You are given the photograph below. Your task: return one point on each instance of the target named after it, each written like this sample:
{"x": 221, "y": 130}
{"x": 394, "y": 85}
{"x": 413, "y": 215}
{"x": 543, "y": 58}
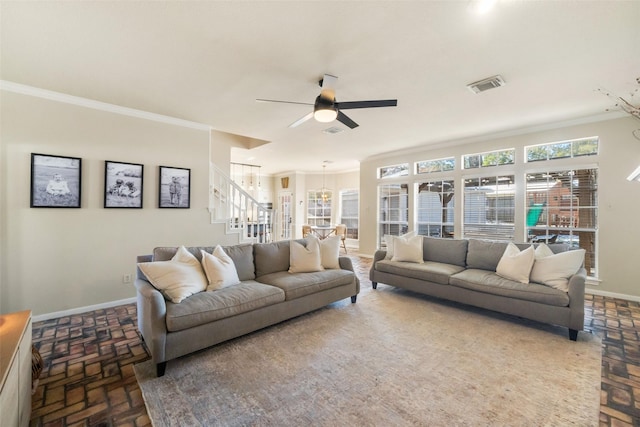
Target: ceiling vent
{"x": 486, "y": 84}
{"x": 333, "y": 130}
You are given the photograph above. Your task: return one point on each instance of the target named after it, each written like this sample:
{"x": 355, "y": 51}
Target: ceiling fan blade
{"x": 329, "y": 87}
{"x": 342, "y": 118}
{"x": 367, "y": 104}
{"x": 282, "y": 102}
{"x": 301, "y": 120}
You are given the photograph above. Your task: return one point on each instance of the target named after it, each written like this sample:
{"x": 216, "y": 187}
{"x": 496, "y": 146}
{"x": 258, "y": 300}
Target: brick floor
{"x": 89, "y": 380}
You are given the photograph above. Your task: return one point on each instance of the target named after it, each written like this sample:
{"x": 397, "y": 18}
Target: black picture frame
{"x": 123, "y": 185}
{"x": 56, "y": 181}
{"x": 174, "y": 190}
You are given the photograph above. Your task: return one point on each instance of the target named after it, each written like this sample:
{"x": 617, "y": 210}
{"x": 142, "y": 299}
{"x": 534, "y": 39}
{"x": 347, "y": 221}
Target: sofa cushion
{"x": 329, "y": 251}
{"x": 436, "y": 272}
{"x": 390, "y": 241}
{"x": 206, "y": 307}
{"x": 555, "y": 269}
{"x": 242, "y": 256}
{"x": 408, "y": 250}
{"x": 516, "y": 264}
{"x": 219, "y": 269}
{"x": 271, "y": 257}
{"x": 305, "y": 259}
{"x": 490, "y": 283}
{"x": 448, "y": 251}
{"x": 484, "y": 254}
{"x": 177, "y": 278}
{"x": 296, "y": 285}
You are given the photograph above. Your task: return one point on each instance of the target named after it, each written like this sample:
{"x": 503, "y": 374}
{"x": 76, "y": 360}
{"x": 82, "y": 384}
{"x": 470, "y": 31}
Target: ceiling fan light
{"x": 325, "y": 115}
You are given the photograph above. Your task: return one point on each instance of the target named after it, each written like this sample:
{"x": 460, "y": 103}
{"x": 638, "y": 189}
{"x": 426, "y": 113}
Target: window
{"x": 434, "y": 208}
{"x": 490, "y": 158}
{"x": 562, "y": 208}
{"x": 393, "y": 209}
{"x": 430, "y": 166}
{"x": 563, "y": 149}
{"x": 319, "y": 207}
{"x": 349, "y": 204}
{"x": 393, "y": 171}
{"x": 489, "y": 204}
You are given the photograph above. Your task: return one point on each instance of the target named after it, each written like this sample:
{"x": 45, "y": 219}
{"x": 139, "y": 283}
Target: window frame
{"x": 502, "y": 230}
{"x": 325, "y": 217}
{"x": 401, "y": 224}
{"x": 441, "y": 227}
{"x": 352, "y": 232}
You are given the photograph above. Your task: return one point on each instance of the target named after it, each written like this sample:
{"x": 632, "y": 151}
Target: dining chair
{"x": 306, "y": 230}
{"x": 341, "y": 230}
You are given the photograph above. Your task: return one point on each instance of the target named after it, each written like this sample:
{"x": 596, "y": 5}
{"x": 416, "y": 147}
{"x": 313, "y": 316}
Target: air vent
{"x": 486, "y": 84}
{"x": 333, "y": 130}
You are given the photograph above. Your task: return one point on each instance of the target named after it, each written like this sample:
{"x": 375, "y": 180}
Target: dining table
{"x": 323, "y": 231}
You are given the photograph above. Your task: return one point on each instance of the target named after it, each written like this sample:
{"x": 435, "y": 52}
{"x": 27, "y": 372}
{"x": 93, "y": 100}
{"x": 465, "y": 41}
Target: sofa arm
{"x": 152, "y": 312}
{"x": 378, "y": 256}
{"x": 345, "y": 263}
{"x": 576, "y": 299}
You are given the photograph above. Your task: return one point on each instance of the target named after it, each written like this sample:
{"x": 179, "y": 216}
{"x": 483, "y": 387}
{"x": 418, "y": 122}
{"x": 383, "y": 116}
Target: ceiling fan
{"x": 326, "y": 109}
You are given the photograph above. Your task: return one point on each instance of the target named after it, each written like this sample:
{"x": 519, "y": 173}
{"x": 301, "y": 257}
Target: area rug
{"x": 394, "y": 358}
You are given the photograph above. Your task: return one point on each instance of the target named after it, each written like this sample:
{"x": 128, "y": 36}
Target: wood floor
{"x": 89, "y": 380}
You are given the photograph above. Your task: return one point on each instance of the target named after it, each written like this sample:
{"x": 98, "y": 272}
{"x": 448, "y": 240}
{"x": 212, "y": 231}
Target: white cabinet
{"x": 15, "y": 369}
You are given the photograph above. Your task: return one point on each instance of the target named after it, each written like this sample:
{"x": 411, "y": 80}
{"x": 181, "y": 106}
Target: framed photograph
{"x": 56, "y": 181}
{"x": 123, "y": 185}
{"x": 175, "y": 187}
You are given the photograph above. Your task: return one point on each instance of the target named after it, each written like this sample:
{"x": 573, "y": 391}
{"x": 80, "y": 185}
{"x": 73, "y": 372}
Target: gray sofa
{"x": 266, "y": 295}
{"x": 465, "y": 271}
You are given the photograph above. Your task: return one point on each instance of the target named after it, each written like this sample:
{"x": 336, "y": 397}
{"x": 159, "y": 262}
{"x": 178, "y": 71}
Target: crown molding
{"x": 610, "y": 115}
{"x": 9, "y": 86}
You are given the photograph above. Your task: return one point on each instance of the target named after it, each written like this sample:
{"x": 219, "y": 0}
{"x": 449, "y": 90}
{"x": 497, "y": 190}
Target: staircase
{"x": 242, "y": 214}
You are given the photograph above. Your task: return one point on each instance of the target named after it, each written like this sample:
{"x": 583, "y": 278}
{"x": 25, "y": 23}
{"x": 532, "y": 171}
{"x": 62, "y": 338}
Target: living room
{"x": 59, "y": 262}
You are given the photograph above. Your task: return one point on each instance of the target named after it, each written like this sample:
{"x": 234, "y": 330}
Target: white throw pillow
{"x": 305, "y": 260}
{"x": 219, "y": 269}
{"x": 515, "y": 264}
{"x": 555, "y": 269}
{"x": 409, "y": 250}
{"x": 389, "y": 240}
{"x": 178, "y": 278}
{"x": 329, "y": 251}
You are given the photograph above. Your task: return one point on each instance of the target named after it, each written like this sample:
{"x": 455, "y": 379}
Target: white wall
{"x": 58, "y": 259}
{"x": 618, "y": 204}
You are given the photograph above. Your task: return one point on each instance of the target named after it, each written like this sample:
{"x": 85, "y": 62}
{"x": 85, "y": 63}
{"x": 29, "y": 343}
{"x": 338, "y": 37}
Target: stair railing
{"x": 231, "y": 204}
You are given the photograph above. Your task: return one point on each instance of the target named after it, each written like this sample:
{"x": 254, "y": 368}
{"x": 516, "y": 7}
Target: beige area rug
{"x": 394, "y": 358}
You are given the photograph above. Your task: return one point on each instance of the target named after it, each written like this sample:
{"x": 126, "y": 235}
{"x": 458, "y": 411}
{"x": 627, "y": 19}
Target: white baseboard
{"x": 72, "y": 311}
{"x": 612, "y": 294}
{"x": 78, "y": 310}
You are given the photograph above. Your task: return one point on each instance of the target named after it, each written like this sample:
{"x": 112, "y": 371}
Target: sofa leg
{"x": 160, "y": 368}
{"x": 353, "y": 299}
{"x": 573, "y": 334}
{"x": 374, "y": 285}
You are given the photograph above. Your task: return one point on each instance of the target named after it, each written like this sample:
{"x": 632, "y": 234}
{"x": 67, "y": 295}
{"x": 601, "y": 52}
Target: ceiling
{"x": 208, "y": 61}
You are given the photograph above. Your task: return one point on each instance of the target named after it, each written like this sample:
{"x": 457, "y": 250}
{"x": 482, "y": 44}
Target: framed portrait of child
{"x": 56, "y": 181}
{"x": 175, "y": 187}
{"x": 123, "y": 185}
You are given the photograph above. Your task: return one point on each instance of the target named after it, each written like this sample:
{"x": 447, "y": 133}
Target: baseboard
{"x": 612, "y": 294}
{"x": 70, "y": 312}
{"x": 78, "y": 310}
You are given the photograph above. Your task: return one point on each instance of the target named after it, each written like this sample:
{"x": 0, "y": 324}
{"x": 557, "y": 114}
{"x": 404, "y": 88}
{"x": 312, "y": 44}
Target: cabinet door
{"x": 9, "y": 397}
{"x": 24, "y": 355}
